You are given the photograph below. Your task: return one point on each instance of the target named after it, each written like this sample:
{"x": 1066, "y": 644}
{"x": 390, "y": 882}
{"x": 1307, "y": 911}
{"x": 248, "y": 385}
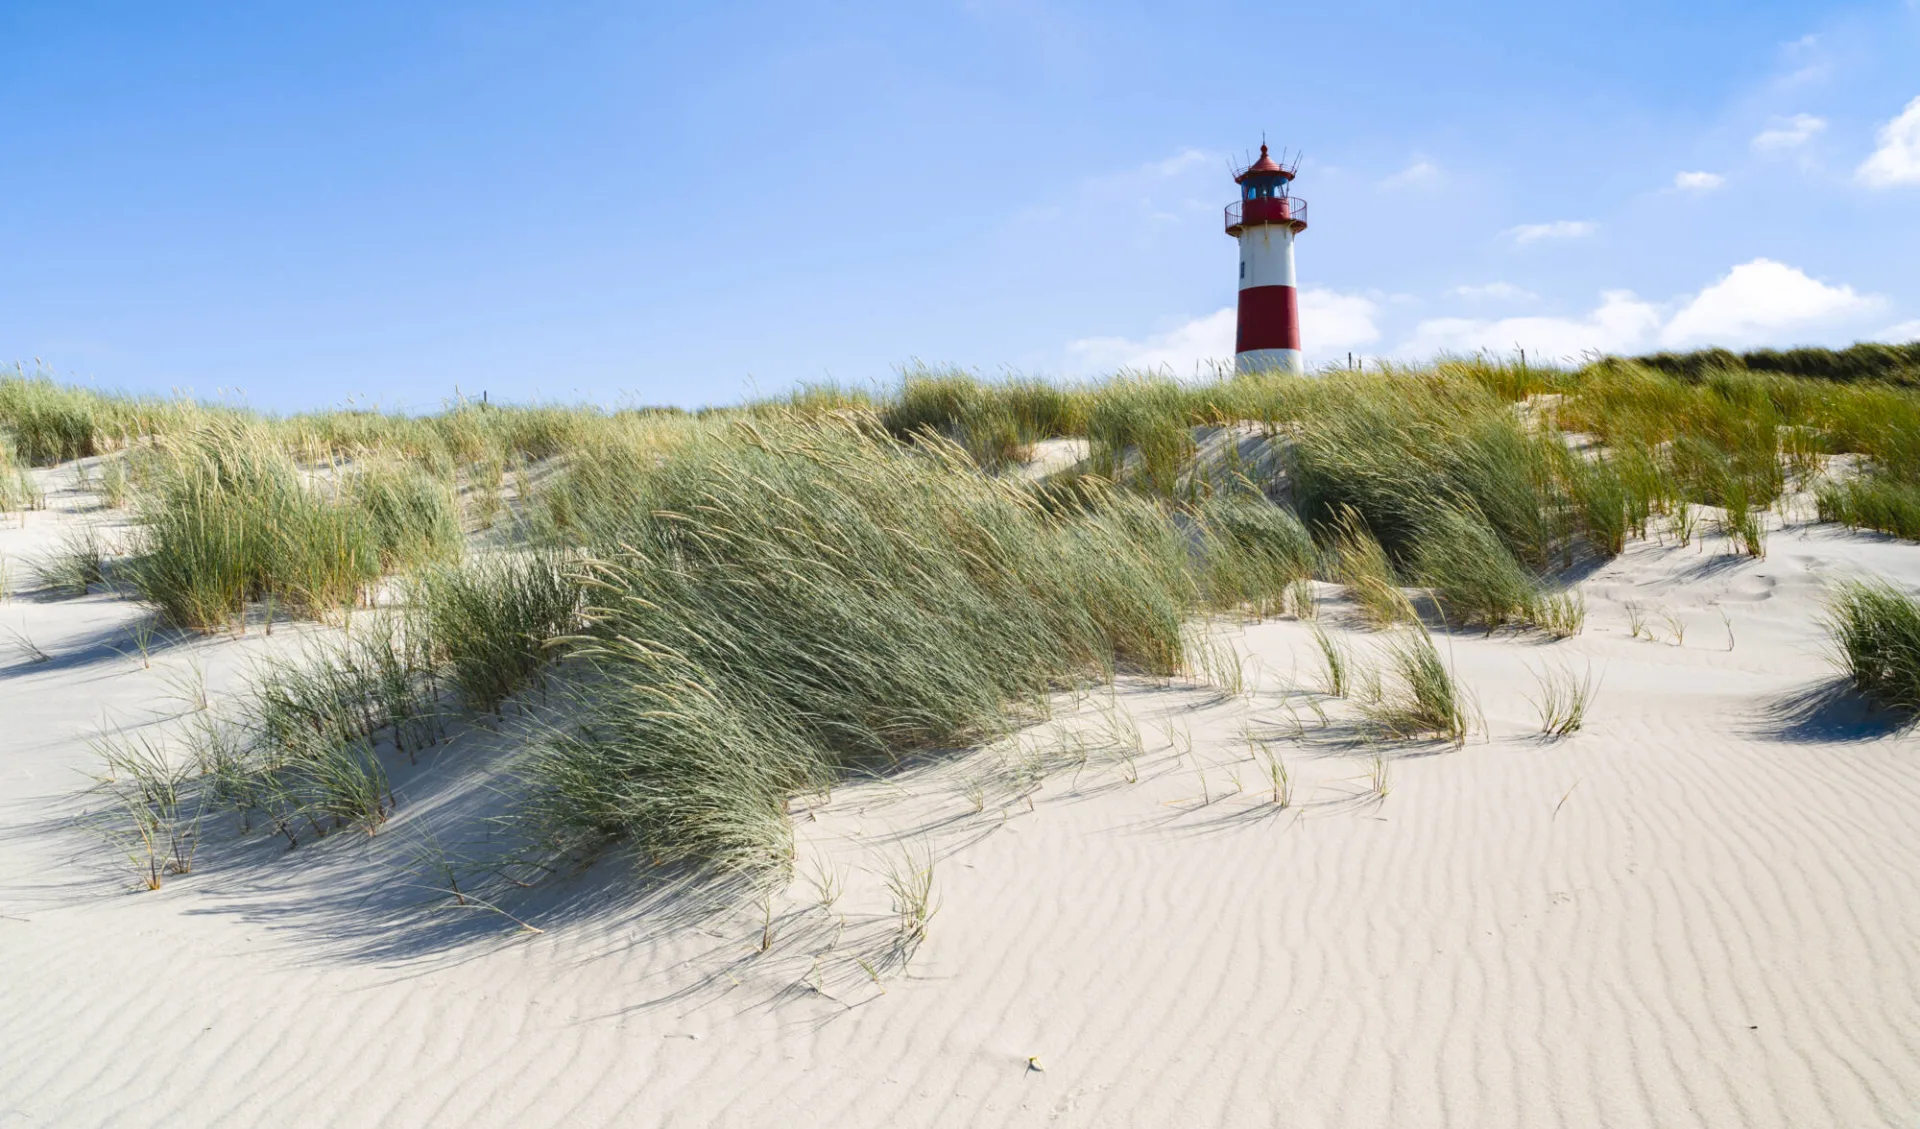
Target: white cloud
{"x": 1421, "y": 173}
{"x": 1558, "y": 229}
{"x": 1331, "y": 322}
{"x": 1790, "y": 133}
{"x": 1494, "y": 292}
{"x": 1190, "y": 349}
{"x": 1758, "y": 300}
{"x": 1897, "y": 160}
{"x": 1698, "y": 182}
{"x": 1621, "y": 324}
{"x": 1761, "y": 302}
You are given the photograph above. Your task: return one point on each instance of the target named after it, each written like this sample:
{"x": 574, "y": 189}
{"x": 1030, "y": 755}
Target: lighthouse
{"x": 1265, "y": 219}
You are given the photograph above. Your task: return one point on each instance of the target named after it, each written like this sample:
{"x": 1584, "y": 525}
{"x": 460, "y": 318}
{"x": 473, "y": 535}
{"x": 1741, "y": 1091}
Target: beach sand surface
{"x": 1700, "y": 910}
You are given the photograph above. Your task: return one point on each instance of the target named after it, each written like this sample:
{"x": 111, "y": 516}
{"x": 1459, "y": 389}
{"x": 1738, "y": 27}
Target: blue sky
{"x": 305, "y": 205}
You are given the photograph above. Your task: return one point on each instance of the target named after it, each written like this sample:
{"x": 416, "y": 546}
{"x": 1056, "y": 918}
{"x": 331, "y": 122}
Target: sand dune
{"x": 1697, "y": 911}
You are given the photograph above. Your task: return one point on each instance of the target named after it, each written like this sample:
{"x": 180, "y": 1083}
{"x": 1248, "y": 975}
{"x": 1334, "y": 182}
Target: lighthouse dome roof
{"x": 1265, "y": 166}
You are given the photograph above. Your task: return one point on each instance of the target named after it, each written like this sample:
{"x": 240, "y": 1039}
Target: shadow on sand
{"x": 1827, "y": 712}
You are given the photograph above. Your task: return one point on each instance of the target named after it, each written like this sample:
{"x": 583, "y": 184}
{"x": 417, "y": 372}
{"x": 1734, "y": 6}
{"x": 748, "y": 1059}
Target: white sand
{"x": 1699, "y": 911}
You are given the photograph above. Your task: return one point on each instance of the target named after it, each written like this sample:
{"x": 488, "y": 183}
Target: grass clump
{"x": 1140, "y": 432}
{"x": 1563, "y": 700}
{"x": 1887, "y": 506}
{"x": 1253, "y": 553}
{"x": 996, "y": 422}
{"x": 18, "y": 490}
{"x": 76, "y": 567}
{"x": 790, "y": 604}
{"x": 407, "y": 514}
{"x": 910, "y": 884}
{"x": 490, "y": 623}
{"x": 303, "y": 756}
{"x": 1479, "y": 583}
{"x": 1560, "y": 614}
{"x": 50, "y": 423}
{"x": 154, "y": 811}
{"x": 228, "y": 519}
{"x": 1423, "y": 700}
{"x": 1875, "y": 631}
{"x": 1391, "y": 449}
{"x": 1336, "y": 663}
{"x": 1360, "y": 563}
{"x": 1476, "y": 579}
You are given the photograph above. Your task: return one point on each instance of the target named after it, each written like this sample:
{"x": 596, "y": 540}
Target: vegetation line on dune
{"x": 719, "y": 612}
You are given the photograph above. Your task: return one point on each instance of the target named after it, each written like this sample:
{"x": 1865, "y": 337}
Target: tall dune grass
{"x": 1140, "y": 431}
{"x": 1873, "y": 503}
{"x": 790, "y": 603}
{"x": 1253, "y": 553}
{"x": 491, "y": 623}
{"x": 747, "y": 604}
{"x": 1458, "y": 555}
{"x": 1875, "y": 630}
{"x": 1397, "y": 450}
{"x": 995, "y": 421}
{"x": 1866, "y": 361}
{"x": 303, "y": 756}
{"x": 50, "y": 423}
{"x": 227, "y": 518}
{"x": 18, "y": 490}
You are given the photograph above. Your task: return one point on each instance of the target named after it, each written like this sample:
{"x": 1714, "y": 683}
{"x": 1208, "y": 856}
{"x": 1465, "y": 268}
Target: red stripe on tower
{"x": 1269, "y": 319}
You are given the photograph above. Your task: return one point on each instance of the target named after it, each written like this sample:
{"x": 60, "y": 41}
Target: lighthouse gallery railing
{"x": 1276, "y": 209}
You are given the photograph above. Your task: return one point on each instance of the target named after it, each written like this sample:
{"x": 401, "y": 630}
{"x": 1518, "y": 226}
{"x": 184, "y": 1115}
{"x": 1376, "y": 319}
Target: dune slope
{"x": 1699, "y": 910}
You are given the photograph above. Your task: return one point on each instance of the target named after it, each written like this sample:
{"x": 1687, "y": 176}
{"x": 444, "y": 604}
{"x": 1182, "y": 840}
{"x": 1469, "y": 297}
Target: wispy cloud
{"x": 1808, "y": 62}
{"x": 1698, "y": 183}
{"x": 1558, "y": 229}
{"x": 1900, "y": 334}
{"x": 1788, "y": 133}
{"x": 1897, "y": 159}
{"x": 1178, "y": 163}
{"x": 1421, "y": 173}
{"x": 1494, "y": 292}
{"x": 1167, "y": 190}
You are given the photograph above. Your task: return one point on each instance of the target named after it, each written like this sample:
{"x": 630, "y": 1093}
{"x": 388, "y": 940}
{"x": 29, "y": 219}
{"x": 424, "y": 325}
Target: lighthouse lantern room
{"x": 1265, "y": 219}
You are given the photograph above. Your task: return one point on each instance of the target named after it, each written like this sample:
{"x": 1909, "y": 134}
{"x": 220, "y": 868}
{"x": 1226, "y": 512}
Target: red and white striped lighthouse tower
{"x": 1265, "y": 219}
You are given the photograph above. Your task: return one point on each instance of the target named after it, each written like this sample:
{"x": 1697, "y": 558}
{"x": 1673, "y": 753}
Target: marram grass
{"x": 787, "y": 604}
{"x": 227, "y": 518}
{"x": 742, "y": 605}
{"x": 1875, "y": 631}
